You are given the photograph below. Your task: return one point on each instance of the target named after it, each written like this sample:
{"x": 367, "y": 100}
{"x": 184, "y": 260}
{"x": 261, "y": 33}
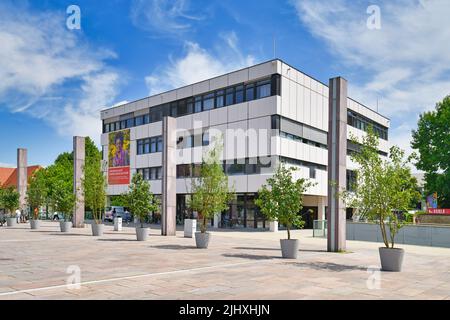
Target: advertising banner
{"x": 119, "y": 158}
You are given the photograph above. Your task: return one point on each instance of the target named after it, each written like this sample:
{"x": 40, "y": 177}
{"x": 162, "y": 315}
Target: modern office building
{"x": 264, "y": 114}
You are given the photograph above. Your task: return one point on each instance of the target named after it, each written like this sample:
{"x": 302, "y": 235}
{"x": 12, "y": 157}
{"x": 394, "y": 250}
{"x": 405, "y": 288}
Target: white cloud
{"x": 406, "y": 63}
{"x": 7, "y": 165}
{"x": 51, "y": 73}
{"x": 198, "y": 64}
{"x": 169, "y": 17}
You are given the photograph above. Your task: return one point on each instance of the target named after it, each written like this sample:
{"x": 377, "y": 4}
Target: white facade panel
{"x": 218, "y": 83}
{"x": 238, "y": 77}
{"x": 262, "y": 107}
{"x": 201, "y": 88}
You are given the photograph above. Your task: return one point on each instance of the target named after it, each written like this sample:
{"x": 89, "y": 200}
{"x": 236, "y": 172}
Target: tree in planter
{"x": 63, "y": 200}
{"x": 382, "y": 187}
{"x": 210, "y": 192}
{"x": 140, "y": 199}
{"x": 282, "y": 198}
{"x": 37, "y": 192}
{"x": 10, "y": 200}
{"x": 94, "y": 186}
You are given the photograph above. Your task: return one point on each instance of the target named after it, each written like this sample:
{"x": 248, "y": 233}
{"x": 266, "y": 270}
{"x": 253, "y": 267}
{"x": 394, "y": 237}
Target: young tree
{"x": 383, "y": 187}
{"x": 432, "y": 140}
{"x": 210, "y": 192}
{"x": 10, "y": 200}
{"x": 37, "y": 191}
{"x": 282, "y": 198}
{"x": 140, "y": 199}
{"x": 94, "y": 187}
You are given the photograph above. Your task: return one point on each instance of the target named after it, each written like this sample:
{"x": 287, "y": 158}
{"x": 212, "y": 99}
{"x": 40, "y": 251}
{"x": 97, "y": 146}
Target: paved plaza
{"x": 237, "y": 265}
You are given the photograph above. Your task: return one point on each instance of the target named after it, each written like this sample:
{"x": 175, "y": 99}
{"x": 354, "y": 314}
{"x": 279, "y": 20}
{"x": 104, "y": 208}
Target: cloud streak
{"x": 405, "y": 64}
{"x": 51, "y": 73}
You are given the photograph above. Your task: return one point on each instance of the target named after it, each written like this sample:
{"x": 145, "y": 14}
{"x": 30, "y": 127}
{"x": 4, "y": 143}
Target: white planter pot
{"x": 65, "y": 226}
{"x": 391, "y": 259}
{"x": 289, "y": 248}
{"x": 11, "y": 222}
{"x": 273, "y": 226}
{"x": 202, "y": 240}
{"x": 97, "y": 229}
{"x": 141, "y": 234}
{"x": 190, "y": 228}
{"x": 117, "y": 224}
{"x": 35, "y": 224}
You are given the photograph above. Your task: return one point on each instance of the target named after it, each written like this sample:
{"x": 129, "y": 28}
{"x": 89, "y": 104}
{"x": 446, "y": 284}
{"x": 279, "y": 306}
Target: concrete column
{"x": 22, "y": 177}
{"x": 79, "y": 156}
{"x": 321, "y": 215}
{"x": 337, "y": 163}
{"x": 169, "y": 179}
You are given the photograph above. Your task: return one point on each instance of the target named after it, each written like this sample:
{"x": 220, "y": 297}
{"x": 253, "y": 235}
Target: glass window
{"x": 173, "y": 109}
{"x": 147, "y": 174}
{"x": 147, "y": 146}
{"x": 190, "y": 106}
{"x": 312, "y": 172}
{"x": 139, "y": 121}
{"x": 250, "y": 92}
{"x": 146, "y": 118}
{"x": 239, "y": 94}
{"x": 205, "y": 139}
{"x": 198, "y": 104}
{"x": 140, "y": 146}
{"x": 123, "y": 124}
{"x": 159, "y": 146}
{"x": 220, "y": 99}
{"x": 159, "y": 173}
{"x": 208, "y": 102}
{"x": 229, "y": 98}
{"x": 263, "y": 89}
{"x": 189, "y": 141}
{"x": 130, "y": 123}
{"x": 153, "y": 142}
{"x": 182, "y": 108}
{"x": 156, "y": 114}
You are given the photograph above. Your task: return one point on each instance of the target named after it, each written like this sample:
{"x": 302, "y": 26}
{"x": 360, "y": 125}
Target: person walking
{"x": 18, "y": 216}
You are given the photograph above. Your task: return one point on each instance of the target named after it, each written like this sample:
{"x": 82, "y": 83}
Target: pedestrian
{"x": 18, "y": 216}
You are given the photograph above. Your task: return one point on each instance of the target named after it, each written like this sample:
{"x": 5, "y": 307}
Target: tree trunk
{"x": 383, "y": 233}
{"x": 288, "y": 232}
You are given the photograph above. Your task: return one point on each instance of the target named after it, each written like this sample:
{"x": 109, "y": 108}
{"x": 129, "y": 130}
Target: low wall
{"x": 434, "y": 218}
{"x": 421, "y": 235}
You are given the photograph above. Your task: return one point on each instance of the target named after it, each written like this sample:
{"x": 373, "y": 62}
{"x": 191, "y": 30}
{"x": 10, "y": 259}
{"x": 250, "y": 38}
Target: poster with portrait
{"x": 119, "y": 158}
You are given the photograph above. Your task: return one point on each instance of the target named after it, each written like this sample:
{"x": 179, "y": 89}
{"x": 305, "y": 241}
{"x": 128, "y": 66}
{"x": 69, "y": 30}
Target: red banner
{"x": 439, "y": 211}
{"x": 119, "y": 176}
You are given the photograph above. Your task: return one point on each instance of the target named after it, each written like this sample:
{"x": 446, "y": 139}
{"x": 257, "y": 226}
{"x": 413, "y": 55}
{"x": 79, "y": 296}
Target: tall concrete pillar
{"x": 79, "y": 156}
{"x": 22, "y": 177}
{"x": 337, "y": 163}
{"x": 169, "y": 178}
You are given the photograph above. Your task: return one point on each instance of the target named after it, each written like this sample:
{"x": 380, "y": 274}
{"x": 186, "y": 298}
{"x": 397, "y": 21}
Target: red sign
{"x": 439, "y": 211}
{"x": 119, "y": 176}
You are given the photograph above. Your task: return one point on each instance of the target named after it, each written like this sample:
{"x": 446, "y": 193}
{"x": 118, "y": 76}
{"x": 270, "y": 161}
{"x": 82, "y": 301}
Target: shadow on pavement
{"x": 250, "y": 256}
{"x": 174, "y": 247}
{"x": 250, "y": 248}
{"x": 118, "y": 240}
{"x": 328, "y": 266}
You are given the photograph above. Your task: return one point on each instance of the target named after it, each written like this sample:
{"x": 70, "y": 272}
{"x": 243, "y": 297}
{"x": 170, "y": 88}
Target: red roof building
{"x": 8, "y": 176}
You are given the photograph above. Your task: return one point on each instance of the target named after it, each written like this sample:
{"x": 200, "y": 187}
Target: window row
{"x": 362, "y": 123}
{"x": 148, "y": 174}
{"x": 217, "y": 99}
{"x": 150, "y": 145}
{"x": 192, "y": 141}
{"x": 237, "y": 167}
{"x": 302, "y": 140}
{"x": 313, "y": 167}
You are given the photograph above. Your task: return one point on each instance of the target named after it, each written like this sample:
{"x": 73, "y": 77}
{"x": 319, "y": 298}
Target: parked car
{"x": 119, "y": 212}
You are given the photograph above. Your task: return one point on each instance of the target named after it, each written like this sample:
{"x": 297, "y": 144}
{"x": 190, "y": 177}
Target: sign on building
{"x": 119, "y": 158}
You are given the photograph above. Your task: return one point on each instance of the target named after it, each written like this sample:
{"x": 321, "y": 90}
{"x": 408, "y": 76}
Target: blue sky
{"x": 54, "y": 80}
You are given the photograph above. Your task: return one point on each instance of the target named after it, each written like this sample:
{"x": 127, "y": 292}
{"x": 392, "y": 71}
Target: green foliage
{"x": 383, "y": 187}
{"x": 210, "y": 192}
{"x": 432, "y": 140}
{"x": 37, "y": 191}
{"x": 94, "y": 182}
{"x": 9, "y": 199}
{"x": 140, "y": 199}
{"x": 118, "y": 201}
{"x": 282, "y": 198}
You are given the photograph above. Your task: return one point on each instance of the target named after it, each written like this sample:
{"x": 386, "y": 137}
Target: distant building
{"x": 8, "y": 176}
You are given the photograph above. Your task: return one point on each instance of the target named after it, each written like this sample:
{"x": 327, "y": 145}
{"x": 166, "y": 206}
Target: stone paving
{"x": 237, "y": 265}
